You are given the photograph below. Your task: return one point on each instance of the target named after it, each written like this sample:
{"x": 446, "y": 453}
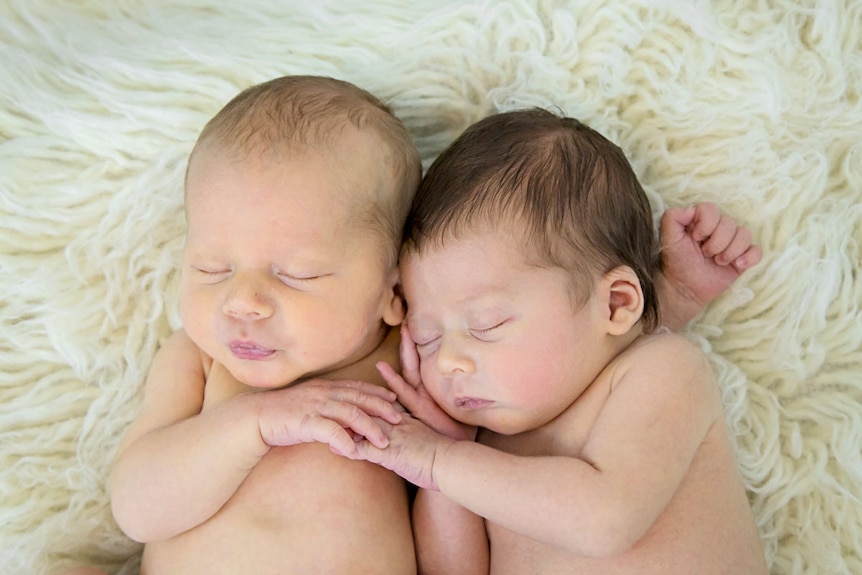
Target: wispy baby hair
{"x": 569, "y": 192}
{"x": 293, "y": 114}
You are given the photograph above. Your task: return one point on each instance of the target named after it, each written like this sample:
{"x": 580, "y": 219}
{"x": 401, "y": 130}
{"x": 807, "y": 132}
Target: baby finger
{"x": 352, "y": 417}
{"x": 371, "y": 404}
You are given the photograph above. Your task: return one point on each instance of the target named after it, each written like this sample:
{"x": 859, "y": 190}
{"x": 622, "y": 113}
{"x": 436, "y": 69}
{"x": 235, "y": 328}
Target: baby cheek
{"x": 198, "y": 313}
{"x": 186, "y": 307}
{"x": 528, "y": 372}
{"x": 343, "y": 327}
{"x": 431, "y": 381}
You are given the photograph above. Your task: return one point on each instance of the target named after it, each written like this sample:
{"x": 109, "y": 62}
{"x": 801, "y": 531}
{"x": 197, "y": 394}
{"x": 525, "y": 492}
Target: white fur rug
{"x": 754, "y": 105}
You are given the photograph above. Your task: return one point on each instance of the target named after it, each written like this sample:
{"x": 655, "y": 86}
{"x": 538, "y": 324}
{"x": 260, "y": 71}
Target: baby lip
{"x": 249, "y": 350}
{"x": 471, "y": 403}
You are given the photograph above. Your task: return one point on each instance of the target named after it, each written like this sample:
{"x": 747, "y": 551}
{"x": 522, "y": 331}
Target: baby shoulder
{"x": 669, "y": 349}
{"x": 668, "y": 377}
{"x": 178, "y": 363}
{"x": 668, "y": 363}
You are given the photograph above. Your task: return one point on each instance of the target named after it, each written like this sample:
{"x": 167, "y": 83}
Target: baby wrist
{"x": 442, "y": 460}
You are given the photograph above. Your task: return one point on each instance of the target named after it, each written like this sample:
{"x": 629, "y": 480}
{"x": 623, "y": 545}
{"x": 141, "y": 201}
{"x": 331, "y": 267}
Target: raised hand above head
{"x": 703, "y": 252}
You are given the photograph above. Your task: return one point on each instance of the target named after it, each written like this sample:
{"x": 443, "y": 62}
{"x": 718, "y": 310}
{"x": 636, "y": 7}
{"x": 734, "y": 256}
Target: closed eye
{"x": 212, "y": 274}
{"x": 479, "y": 333}
{"x": 426, "y": 342}
{"x": 298, "y": 280}
{"x": 427, "y": 345}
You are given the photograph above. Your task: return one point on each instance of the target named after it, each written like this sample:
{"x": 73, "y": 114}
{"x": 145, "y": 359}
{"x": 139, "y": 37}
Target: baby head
{"x": 296, "y": 195}
{"x": 528, "y": 263}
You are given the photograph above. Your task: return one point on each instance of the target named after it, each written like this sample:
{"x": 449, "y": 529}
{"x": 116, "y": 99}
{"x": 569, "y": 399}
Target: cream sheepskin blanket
{"x": 754, "y": 105}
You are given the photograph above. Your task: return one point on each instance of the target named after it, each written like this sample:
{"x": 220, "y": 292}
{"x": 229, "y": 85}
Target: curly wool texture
{"x": 755, "y": 106}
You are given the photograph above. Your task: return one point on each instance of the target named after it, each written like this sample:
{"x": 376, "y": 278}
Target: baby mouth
{"x": 249, "y": 350}
{"x": 471, "y": 403}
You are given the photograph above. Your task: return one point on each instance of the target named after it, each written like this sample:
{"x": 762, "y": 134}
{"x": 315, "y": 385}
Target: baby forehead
{"x": 337, "y": 173}
{"x": 460, "y": 268}
{"x": 471, "y": 266}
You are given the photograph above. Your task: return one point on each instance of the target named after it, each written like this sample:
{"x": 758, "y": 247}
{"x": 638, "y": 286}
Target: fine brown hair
{"x": 294, "y": 114}
{"x": 569, "y": 192}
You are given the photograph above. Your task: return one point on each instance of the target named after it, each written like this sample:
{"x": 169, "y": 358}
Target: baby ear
{"x": 394, "y": 307}
{"x": 625, "y": 299}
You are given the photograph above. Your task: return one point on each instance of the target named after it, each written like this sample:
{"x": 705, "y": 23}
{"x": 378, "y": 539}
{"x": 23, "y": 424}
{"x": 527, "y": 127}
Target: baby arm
{"x": 602, "y": 501}
{"x": 448, "y": 537}
{"x": 703, "y": 252}
{"x": 178, "y": 464}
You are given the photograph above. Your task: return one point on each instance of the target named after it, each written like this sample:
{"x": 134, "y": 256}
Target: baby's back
{"x": 707, "y": 526}
{"x": 706, "y": 529}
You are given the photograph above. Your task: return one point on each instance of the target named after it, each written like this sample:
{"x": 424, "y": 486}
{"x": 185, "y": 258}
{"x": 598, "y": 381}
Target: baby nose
{"x": 452, "y": 358}
{"x": 246, "y": 301}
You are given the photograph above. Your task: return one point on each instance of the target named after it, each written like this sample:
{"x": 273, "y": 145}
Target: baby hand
{"x": 703, "y": 251}
{"x": 332, "y": 412}
{"x": 412, "y": 450}
{"x": 415, "y": 397}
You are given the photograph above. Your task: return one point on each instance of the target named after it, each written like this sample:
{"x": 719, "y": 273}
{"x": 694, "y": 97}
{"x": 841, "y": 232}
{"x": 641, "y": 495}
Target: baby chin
{"x": 261, "y": 370}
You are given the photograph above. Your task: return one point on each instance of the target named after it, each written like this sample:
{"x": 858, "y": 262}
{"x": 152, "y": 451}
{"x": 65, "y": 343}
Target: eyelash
{"x": 487, "y": 329}
{"x": 284, "y": 277}
{"x": 211, "y": 272}
{"x": 295, "y": 279}
{"x": 473, "y": 332}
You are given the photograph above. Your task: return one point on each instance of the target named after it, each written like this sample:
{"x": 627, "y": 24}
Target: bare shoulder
{"x": 179, "y": 371}
{"x": 179, "y": 351}
{"x": 662, "y": 402}
{"x": 174, "y": 388}
{"x": 671, "y": 368}
{"x": 670, "y": 351}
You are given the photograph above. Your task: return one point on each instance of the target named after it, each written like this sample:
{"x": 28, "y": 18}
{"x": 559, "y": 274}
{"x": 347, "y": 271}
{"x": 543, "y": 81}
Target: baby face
{"x": 501, "y": 341}
{"x": 279, "y": 280}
